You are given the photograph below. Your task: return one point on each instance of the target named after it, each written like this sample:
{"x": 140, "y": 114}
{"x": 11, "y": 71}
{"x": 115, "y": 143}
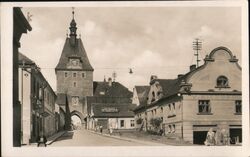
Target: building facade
{"x": 110, "y": 107}
{"x": 206, "y": 97}
{"x": 20, "y": 26}
{"x": 37, "y": 101}
{"x": 74, "y": 75}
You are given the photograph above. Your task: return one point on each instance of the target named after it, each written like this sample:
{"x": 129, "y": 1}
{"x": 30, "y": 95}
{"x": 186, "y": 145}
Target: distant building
{"x": 206, "y": 97}
{"x": 37, "y": 102}
{"x": 140, "y": 95}
{"x": 110, "y": 107}
{"x": 20, "y": 26}
{"x": 74, "y": 75}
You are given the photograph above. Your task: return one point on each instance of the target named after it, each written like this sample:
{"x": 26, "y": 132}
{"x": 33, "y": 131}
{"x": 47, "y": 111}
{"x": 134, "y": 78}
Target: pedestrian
{"x": 218, "y": 137}
{"x": 210, "y": 139}
{"x": 42, "y": 141}
{"x": 101, "y": 128}
{"x": 110, "y": 130}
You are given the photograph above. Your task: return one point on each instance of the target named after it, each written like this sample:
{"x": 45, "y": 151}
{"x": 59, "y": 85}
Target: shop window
{"x": 204, "y": 106}
{"x": 238, "y": 107}
{"x": 132, "y": 123}
{"x": 222, "y": 82}
{"x": 122, "y": 123}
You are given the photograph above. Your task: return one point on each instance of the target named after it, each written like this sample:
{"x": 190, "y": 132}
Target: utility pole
{"x": 197, "y": 46}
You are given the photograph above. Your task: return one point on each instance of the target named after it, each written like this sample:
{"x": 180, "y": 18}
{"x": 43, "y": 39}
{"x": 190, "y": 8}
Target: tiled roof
{"x": 142, "y": 93}
{"x": 22, "y": 59}
{"x": 112, "y": 110}
{"x": 102, "y": 89}
{"x": 74, "y": 51}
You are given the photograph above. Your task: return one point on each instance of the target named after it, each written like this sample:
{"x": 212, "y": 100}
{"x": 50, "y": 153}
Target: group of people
{"x": 221, "y": 137}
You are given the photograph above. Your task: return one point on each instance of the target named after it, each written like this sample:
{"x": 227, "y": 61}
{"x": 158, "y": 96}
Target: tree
{"x": 156, "y": 122}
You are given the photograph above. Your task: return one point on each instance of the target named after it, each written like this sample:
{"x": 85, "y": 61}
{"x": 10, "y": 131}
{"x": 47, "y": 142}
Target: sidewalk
{"x": 53, "y": 138}
{"x": 50, "y": 140}
{"x": 129, "y": 139}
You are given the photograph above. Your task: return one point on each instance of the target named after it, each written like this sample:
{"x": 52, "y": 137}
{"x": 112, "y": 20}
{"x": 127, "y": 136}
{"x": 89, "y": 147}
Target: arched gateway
{"x": 74, "y": 75}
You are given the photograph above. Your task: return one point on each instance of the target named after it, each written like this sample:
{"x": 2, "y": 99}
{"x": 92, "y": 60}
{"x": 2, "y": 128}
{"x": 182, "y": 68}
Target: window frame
{"x": 238, "y": 105}
{"x": 222, "y": 78}
{"x": 207, "y": 110}
{"x": 122, "y": 121}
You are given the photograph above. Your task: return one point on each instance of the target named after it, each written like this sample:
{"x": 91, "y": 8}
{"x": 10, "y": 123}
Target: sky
{"x": 150, "y": 40}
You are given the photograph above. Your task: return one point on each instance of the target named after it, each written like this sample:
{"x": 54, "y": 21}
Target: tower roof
{"x": 73, "y": 48}
{"x": 74, "y": 51}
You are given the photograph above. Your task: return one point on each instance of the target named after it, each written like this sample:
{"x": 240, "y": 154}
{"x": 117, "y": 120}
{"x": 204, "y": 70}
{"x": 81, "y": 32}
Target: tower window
{"x": 83, "y": 75}
{"x": 65, "y": 74}
{"x": 74, "y": 84}
{"x": 74, "y": 74}
{"x": 222, "y": 82}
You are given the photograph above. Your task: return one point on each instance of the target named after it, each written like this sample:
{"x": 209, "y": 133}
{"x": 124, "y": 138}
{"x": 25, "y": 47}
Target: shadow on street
{"x": 67, "y": 136}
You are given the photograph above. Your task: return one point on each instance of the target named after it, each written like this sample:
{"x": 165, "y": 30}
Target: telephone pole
{"x": 197, "y": 44}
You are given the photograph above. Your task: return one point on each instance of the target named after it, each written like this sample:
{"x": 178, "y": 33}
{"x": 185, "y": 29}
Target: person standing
{"x": 210, "y": 139}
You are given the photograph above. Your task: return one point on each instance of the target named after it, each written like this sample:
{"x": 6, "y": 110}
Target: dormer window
{"x": 222, "y": 82}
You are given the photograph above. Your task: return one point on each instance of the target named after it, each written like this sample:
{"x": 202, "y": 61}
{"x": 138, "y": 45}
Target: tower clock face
{"x": 75, "y": 62}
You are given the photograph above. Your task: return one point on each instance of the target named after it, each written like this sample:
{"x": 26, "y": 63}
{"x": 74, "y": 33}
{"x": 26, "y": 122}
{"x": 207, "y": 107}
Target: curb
{"x": 53, "y": 140}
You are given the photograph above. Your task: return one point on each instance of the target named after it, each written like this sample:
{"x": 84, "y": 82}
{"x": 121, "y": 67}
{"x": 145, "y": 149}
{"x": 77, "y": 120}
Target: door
{"x": 234, "y": 134}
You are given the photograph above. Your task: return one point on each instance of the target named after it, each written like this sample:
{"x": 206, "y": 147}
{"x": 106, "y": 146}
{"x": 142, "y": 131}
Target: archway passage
{"x": 76, "y": 122}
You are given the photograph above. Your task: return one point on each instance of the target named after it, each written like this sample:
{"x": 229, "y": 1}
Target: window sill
{"x": 237, "y": 113}
{"x": 204, "y": 113}
{"x": 171, "y": 116}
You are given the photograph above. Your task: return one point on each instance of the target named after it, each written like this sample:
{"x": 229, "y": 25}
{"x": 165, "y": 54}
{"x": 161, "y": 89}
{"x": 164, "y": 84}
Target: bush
{"x": 139, "y": 121}
{"x": 156, "y": 122}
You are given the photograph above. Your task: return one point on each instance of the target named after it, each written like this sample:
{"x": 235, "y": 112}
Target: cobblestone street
{"x": 88, "y": 138}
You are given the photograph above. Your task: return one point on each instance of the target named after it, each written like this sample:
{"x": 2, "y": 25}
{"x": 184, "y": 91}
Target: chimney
{"x": 110, "y": 81}
{"x": 179, "y": 75}
{"x": 192, "y": 67}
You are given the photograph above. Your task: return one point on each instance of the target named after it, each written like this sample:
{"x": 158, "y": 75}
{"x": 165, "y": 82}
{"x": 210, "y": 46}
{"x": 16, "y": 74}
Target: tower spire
{"x": 73, "y": 28}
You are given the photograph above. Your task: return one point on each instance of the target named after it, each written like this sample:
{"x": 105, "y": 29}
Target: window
{"x": 65, "y": 74}
{"x": 173, "y": 128}
{"x": 83, "y": 75}
{"x": 75, "y": 100}
{"x": 161, "y": 109}
{"x": 222, "y": 81}
{"x": 132, "y": 123}
{"x": 74, "y": 74}
{"x": 122, "y": 123}
{"x": 204, "y": 106}
{"x": 169, "y": 128}
{"x": 74, "y": 84}
{"x": 153, "y": 97}
{"x": 238, "y": 108}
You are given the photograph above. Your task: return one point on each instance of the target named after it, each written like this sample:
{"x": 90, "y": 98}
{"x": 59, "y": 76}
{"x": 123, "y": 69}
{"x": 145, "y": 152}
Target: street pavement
{"x": 88, "y": 138}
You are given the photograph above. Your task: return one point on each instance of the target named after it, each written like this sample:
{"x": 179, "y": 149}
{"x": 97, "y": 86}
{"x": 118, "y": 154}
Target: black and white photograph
{"x": 125, "y": 79}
